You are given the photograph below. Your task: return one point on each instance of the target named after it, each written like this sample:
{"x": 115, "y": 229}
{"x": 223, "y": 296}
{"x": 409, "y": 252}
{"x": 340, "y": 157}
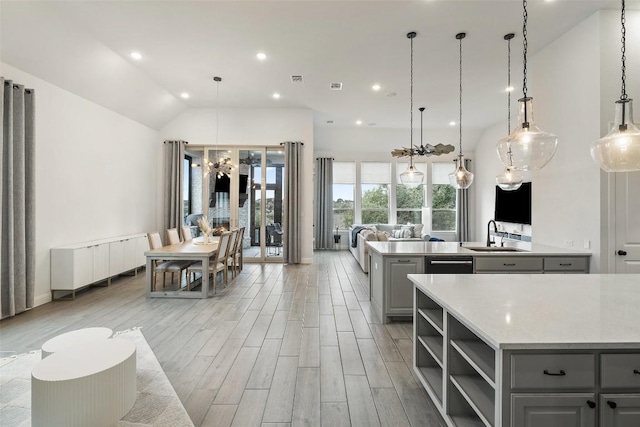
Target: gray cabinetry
{"x": 553, "y": 410}
{"x": 508, "y": 264}
{"x": 619, "y": 410}
{"x": 399, "y": 291}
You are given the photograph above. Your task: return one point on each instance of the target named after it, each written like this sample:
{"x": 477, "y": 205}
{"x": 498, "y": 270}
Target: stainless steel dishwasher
{"x": 449, "y": 265}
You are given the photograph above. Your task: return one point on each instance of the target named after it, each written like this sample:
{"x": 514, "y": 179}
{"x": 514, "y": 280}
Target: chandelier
{"x": 223, "y": 165}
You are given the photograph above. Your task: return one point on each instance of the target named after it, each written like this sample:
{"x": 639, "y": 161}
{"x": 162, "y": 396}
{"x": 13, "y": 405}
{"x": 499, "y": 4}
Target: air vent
{"x": 296, "y": 79}
{"x": 330, "y": 122}
{"x": 335, "y": 86}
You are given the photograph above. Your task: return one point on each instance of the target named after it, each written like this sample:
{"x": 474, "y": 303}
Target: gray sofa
{"x": 380, "y": 232}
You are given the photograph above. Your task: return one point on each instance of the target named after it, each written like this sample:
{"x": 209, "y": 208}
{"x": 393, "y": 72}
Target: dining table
{"x": 193, "y": 250}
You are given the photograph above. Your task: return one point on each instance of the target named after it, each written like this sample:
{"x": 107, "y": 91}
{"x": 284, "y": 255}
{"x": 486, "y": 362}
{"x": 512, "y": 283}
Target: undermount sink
{"x": 493, "y": 249}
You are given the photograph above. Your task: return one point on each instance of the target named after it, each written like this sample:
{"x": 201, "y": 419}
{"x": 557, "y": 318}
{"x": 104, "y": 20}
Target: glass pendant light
{"x": 461, "y": 178}
{"x": 619, "y": 150}
{"x": 528, "y": 147}
{"x": 411, "y": 177}
{"x": 509, "y": 180}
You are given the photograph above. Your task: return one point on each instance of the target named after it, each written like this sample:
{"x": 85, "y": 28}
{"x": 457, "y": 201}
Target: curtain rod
{"x": 170, "y": 140}
{"x": 296, "y": 142}
{"x": 325, "y": 158}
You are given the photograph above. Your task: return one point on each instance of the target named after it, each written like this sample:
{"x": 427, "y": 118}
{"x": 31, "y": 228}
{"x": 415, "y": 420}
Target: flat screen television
{"x": 514, "y": 206}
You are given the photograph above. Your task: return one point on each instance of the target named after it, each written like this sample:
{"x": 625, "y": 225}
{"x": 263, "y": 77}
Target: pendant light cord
{"x": 509, "y": 84}
{"x": 411, "y": 36}
{"x": 623, "y": 96}
{"x": 525, "y": 46}
{"x": 460, "y": 98}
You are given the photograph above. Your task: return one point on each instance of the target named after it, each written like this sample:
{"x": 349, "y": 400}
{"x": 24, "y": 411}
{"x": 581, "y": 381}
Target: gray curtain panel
{"x": 17, "y": 192}
{"x": 173, "y": 172}
{"x": 292, "y": 250}
{"x": 323, "y": 219}
{"x": 463, "y": 210}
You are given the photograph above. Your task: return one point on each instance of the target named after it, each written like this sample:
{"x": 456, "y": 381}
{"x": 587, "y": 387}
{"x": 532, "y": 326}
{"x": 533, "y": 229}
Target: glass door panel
{"x": 192, "y": 193}
{"x": 250, "y": 212}
{"x": 274, "y": 196}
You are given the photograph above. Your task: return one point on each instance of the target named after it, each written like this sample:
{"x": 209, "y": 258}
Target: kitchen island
{"x": 391, "y": 262}
{"x": 529, "y": 350}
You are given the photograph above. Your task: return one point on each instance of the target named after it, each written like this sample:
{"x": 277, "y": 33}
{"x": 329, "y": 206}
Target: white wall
{"x": 95, "y": 173}
{"x": 254, "y": 127}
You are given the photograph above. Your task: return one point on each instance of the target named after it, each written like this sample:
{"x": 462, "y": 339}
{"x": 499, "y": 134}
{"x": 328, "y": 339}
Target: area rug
{"x": 157, "y": 404}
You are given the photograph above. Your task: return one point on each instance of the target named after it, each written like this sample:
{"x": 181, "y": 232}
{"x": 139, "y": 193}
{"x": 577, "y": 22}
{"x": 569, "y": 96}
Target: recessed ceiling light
{"x": 276, "y": 96}
{"x": 136, "y": 55}
{"x": 376, "y": 87}
{"x": 509, "y": 89}
{"x": 185, "y": 95}
{"x": 261, "y": 56}
{"x": 452, "y": 123}
{"x": 358, "y": 122}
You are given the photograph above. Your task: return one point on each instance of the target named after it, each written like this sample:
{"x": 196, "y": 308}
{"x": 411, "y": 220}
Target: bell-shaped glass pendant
{"x": 461, "y": 178}
{"x": 619, "y": 151}
{"x": 412, "y": 177}
{"x": 509, "y": 180}
{"x": 528, "y": 147}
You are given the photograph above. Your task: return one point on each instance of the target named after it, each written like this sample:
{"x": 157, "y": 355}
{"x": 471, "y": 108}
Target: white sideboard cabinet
{"x": 82, "y": 264}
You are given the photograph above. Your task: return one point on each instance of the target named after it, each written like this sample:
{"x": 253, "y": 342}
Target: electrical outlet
{"x": 587, "y": 244}
{"x": 568, "y": 243}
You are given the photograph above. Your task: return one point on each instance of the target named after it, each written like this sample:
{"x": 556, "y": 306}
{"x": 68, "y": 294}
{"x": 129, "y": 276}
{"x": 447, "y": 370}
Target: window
{"x": 443, "y": 198}
{"x": 375, "y": 177}
{"x": 344, "y": 179}
{"x": 409, "y": 201}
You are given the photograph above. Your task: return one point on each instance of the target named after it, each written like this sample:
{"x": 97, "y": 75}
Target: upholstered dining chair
{"x": 235, "y": 255}
{"x": 164, "y": 267}
{"x": 186, "y": 234}
{"x": 172, "y": 236}
{"x": 218, "y": 262}
{"x": 233, "y": 241}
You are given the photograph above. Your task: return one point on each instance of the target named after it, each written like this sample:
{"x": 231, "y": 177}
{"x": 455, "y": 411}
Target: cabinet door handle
{"x": 566, "y": 264}
{"x": 612, "y": 405}
{"x": 404, "y": 261}
{"x": 591, "y": 404}
{"x": 512, "y": 264}
{"x": 562, "y": 373}
{"x": 622, "y": 253}
{"x": 451, "y": 262}
{"x": 635, "y": 371}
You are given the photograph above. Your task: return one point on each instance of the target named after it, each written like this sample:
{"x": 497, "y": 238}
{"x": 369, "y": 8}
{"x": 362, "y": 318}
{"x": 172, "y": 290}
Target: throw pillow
{"x": 369, "y": 235}
{"x": 407, "y": 231}
{"x": 417, "y": 230}
{"x": 397, "y": 234}
{"x": 382, "y": 236}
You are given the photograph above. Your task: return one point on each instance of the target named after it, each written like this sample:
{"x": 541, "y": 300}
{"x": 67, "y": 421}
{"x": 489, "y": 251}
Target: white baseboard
{"x": 306, "y": 261}
{"x": 42, "y": 299}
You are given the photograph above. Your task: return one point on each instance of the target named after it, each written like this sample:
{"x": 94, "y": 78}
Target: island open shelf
{"x": 492, "y": 350}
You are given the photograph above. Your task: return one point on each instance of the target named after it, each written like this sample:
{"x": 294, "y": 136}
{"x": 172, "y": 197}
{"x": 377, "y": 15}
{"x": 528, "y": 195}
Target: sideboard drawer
{"x": 620, "y": 370}
{"x": 552, "y": 371}
{"x": 508, "y": 264}
{"x": 565, "y": 264}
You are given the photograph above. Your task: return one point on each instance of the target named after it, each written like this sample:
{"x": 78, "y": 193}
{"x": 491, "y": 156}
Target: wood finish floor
{"x": 280, "y": 346}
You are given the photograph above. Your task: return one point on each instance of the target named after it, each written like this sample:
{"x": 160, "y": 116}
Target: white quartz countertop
{"x": 521, "y": 311}
{"x": 454, "y": 248}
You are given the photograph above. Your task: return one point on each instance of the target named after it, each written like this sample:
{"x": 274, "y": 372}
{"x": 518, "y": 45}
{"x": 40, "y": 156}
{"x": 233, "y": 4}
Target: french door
{"x": 250, "y": 195}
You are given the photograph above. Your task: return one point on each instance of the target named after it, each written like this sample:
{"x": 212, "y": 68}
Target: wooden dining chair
{"x": 232, "y": 248}
{"x": 217, "y": 262}
{"x": 163, "y": 267}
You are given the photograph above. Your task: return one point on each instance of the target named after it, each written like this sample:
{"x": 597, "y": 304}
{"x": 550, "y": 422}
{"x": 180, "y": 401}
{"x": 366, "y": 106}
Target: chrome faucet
{"x": 495, "y": 229}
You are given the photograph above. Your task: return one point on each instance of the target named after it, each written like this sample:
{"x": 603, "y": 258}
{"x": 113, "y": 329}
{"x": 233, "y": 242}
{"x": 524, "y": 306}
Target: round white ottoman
{"x": 84, "y": 385}
{"x": 73, "y": 338}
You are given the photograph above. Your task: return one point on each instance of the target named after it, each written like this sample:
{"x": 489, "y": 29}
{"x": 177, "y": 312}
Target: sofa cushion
{"x": 417, "y": 230}
{"x": 388, "y": 227}
{"x": 369, "y": 235}
{"x": 382, "y": 236}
